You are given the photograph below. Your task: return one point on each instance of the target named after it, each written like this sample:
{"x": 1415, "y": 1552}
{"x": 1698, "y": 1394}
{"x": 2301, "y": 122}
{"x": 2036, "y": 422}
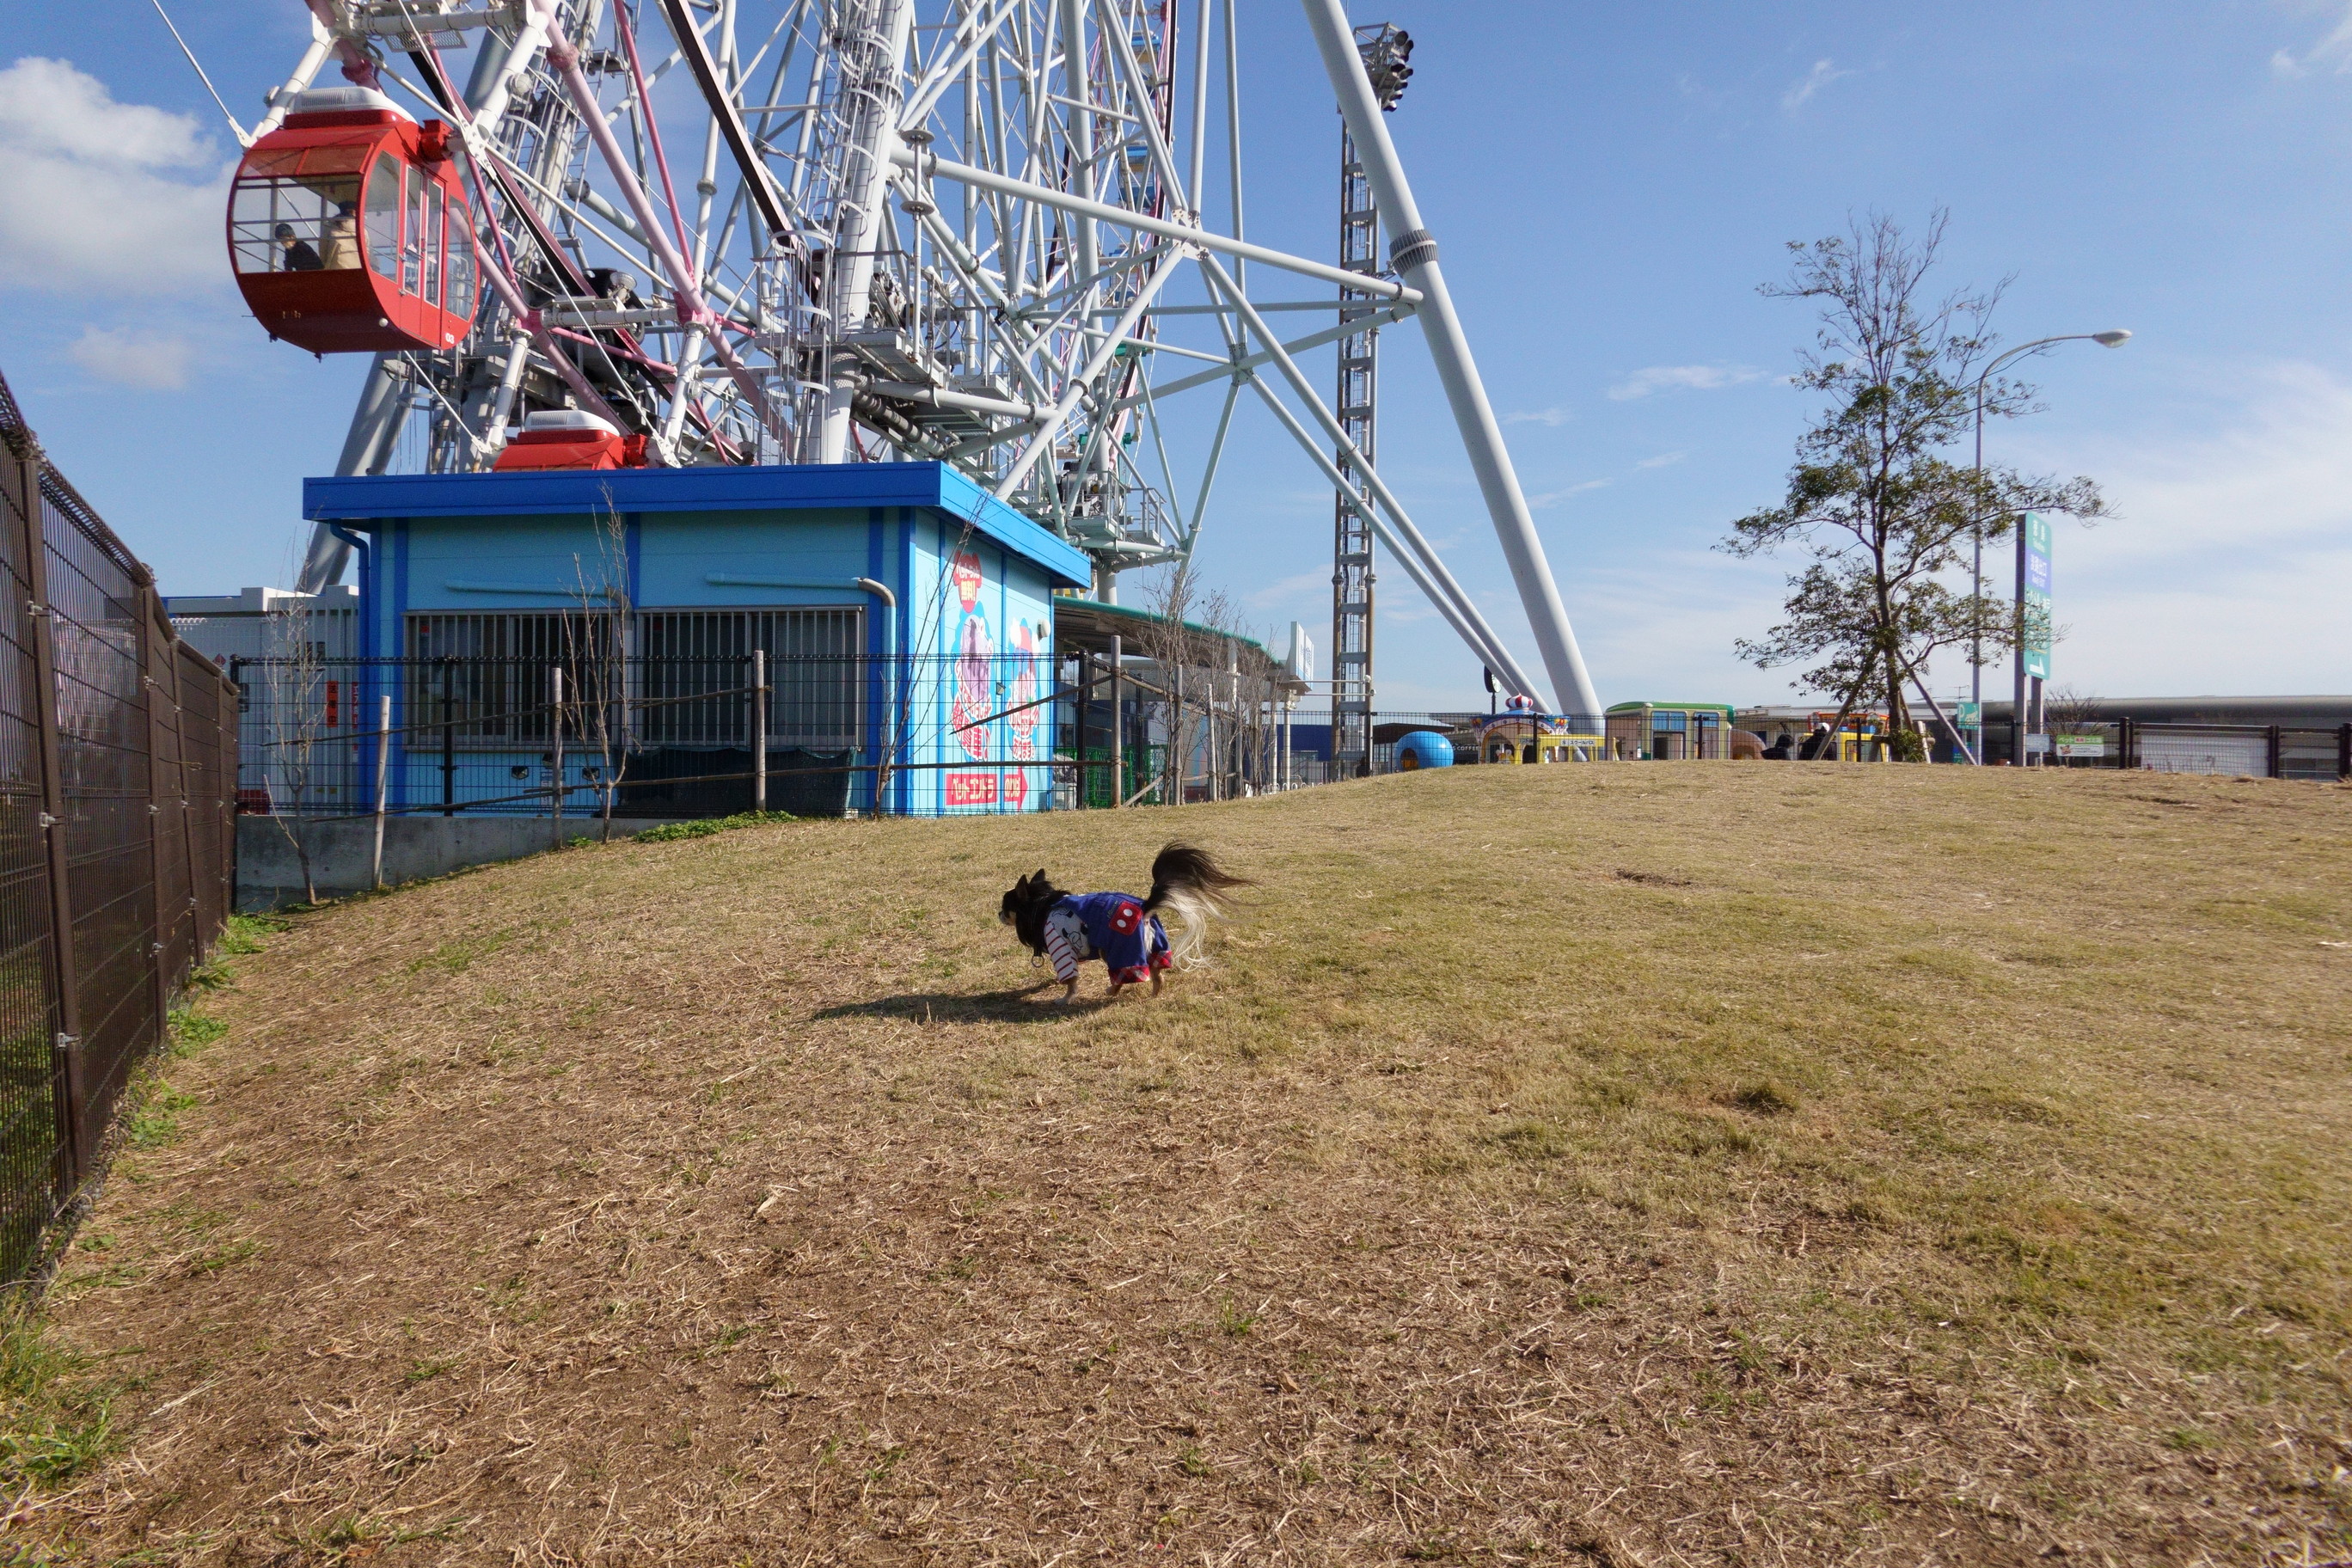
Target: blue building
{"x": 906, "y": 617}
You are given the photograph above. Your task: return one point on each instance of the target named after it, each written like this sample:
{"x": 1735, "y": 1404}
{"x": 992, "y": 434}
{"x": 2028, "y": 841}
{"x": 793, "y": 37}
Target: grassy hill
{"x": 1642, "y": 1164}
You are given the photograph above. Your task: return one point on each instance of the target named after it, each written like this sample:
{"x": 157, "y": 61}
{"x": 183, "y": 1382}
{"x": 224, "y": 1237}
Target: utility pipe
{"x": 941, "y": 397}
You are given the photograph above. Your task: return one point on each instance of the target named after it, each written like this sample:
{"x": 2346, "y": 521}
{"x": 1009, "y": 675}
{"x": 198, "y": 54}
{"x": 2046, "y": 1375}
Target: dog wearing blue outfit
{"x": 1125, "y": 932}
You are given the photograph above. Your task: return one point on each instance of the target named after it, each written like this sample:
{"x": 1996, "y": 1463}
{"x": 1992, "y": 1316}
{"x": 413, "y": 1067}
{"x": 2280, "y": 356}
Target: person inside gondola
{"x": 296, "y": 254}
{"x": 342, "y": 241}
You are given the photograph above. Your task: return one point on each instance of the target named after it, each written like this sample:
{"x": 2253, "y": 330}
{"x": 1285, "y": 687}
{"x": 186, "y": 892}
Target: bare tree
{"x": 2071, "y": 708}
{"x": 595, "y": 650}
{"x": 1223, "y": 682}
{"x": 1168, "y": 644}
{"x": 1874, "y": 501}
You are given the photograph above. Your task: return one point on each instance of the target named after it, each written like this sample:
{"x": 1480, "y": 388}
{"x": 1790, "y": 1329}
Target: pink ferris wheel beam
{"x": 692, "y": 309}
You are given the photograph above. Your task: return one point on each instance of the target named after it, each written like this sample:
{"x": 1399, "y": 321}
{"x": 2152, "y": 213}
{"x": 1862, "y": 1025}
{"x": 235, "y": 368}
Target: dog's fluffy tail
{"x": 1189, "y": 886}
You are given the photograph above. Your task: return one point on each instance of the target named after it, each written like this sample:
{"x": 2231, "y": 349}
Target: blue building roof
{"x": 363, "y": 501}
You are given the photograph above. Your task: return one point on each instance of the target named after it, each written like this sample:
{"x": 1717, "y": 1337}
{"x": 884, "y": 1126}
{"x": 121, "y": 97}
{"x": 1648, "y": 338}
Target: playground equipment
{"x": 1862, "y": 738}
{"x": 1533, "y": 737}
{"x": 1424, "y": 749}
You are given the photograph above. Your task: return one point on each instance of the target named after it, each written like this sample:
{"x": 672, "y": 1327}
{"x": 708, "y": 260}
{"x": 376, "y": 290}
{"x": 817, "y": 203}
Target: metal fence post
{"x": 382, "y": 780}
{"x": 2275, "y": 750}
{"x": 149, "y": 608}
{"x": 449, "y": 737}
{"x": 556, "y": 689}
{"x": 199, "y": 940}
{"x": 2344, "y": 751}
{"x": 1117, "y": 731}
{"x": 759, "y": 729}
{"x": 66, "y": 994}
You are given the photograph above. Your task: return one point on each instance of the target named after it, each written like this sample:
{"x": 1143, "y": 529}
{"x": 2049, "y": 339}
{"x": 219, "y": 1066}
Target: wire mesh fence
{"x": 117, "y": 847}
{"x": 581, "y": 729}
{"x": 591, "y": 731}
{"x": 2250, "y": 751}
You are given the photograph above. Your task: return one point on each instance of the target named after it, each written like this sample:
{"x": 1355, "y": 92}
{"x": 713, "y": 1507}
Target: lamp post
{"x": 2113, "y": 338}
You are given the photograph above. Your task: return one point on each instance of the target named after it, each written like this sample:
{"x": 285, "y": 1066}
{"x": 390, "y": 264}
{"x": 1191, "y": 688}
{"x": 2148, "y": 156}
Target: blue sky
{"x": 1609, "y": 185}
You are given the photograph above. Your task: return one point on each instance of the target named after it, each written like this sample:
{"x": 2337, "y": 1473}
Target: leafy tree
{"x": 1883, "y": 512}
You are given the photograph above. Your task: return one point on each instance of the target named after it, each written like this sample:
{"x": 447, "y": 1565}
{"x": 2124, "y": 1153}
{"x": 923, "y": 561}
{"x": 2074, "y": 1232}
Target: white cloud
{"x": 2333, "y": 52}
{"x": 1799, "y": 92}
{"x": 1682, "y": 378}
{"x": 100, "y": 197}
{"x": 1553, "y": 498}
{"x": 1551, "y": 417}
{"x": 1663, "y": 460}
{"x": 1287, "y": 590}
{"x": 2228, "y": 567}
{"x": 152, "y": 362}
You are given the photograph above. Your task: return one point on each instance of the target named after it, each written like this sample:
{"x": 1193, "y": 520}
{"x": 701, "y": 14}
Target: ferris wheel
{"x": 883, "y": 230}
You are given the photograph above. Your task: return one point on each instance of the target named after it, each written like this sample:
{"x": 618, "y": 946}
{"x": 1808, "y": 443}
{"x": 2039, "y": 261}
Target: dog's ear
{"x": 1041, "y": 875}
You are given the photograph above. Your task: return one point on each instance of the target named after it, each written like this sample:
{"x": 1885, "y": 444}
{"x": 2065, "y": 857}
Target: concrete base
{"x": 269, "y": 872}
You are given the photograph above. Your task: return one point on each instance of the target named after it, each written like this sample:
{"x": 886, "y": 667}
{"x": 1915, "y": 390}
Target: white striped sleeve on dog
{"x": 1058, "y": 948}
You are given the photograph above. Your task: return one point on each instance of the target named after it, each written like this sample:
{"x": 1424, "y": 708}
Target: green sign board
{"x": 1971, "y": 715}
{"x": 2033, "y": 594}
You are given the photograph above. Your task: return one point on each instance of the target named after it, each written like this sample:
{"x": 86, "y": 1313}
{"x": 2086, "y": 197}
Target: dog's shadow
{"x": 1023, "y": 1005}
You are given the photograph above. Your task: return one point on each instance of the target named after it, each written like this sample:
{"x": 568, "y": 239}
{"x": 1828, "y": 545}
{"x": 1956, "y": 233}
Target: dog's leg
{"x": 1155, "y": 982}
{"x": 1069, "y": 993}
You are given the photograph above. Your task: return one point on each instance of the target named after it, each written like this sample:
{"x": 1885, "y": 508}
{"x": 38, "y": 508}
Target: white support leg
{"x": 1413, "y": 253}
{"x": 875, "y": 144}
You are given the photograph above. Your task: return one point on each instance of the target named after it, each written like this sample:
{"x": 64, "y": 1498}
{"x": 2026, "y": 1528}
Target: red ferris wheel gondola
{"x": 349, "y": 228}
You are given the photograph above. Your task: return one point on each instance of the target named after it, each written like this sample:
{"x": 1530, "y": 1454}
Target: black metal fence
{"x": 583, "y": 730}
{"x": 588, "y": 732}
{"x": 118, "y": 750}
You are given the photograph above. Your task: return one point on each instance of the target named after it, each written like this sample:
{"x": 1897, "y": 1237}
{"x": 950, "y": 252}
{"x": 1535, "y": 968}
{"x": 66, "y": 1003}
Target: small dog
{"x": 1123, "y": 931}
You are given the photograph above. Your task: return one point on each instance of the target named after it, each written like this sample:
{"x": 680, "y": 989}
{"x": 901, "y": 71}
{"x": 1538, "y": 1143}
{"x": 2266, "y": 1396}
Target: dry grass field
{"x": 1711, "y": 1164}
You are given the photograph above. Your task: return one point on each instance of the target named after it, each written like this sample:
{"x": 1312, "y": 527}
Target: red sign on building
{"x": 983, "y": 789}
{"x": 971, "y": 789}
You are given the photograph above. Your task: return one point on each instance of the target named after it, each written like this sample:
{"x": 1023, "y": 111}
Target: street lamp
{"x": 2114, "y": 338}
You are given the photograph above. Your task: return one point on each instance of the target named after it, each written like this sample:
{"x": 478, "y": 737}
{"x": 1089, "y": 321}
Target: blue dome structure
{"x": 1424, "y": 749}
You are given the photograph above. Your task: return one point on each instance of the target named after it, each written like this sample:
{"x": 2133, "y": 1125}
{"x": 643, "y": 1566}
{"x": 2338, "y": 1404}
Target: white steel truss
{"x": 904, "y": 230}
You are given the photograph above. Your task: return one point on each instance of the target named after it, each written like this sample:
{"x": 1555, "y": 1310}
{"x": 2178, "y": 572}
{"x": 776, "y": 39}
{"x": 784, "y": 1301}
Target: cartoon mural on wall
{"x": 975, "y": 658}
{"x": 994, "y": 680}
{"x": 1022, "y": 719}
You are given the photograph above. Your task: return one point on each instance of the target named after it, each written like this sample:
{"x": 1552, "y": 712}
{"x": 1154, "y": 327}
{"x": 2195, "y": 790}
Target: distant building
{"x": 254, "y": 623}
